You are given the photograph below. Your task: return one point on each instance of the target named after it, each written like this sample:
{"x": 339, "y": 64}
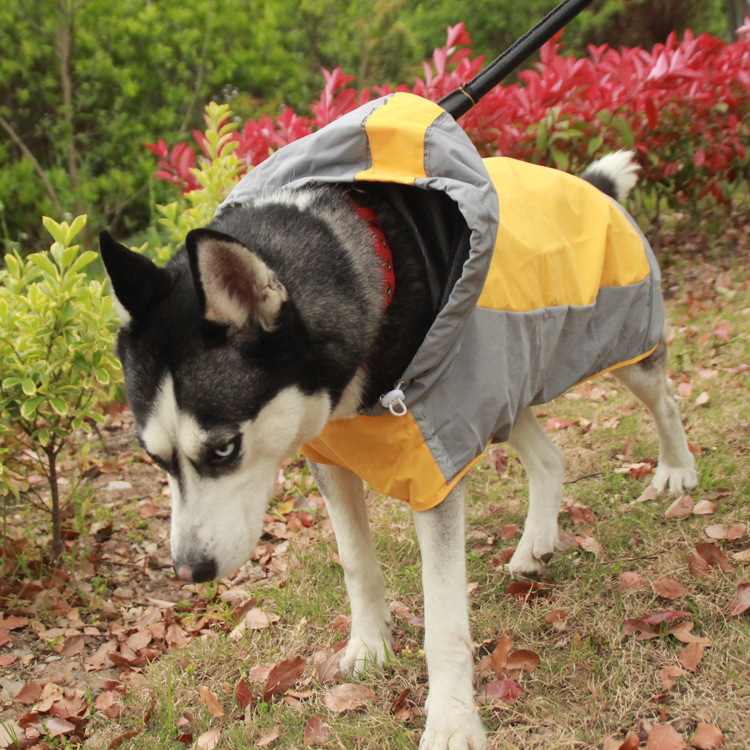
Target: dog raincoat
{"x": 557, "y": 285}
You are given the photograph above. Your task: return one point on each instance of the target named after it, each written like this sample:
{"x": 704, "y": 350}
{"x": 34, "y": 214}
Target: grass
{"x": 593, "y": 682}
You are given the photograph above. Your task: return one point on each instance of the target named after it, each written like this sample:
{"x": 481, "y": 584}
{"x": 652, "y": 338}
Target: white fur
{"x": 621, "y": 167}
{"x": 222, "y": 518}
{"x": 544, "y": 465}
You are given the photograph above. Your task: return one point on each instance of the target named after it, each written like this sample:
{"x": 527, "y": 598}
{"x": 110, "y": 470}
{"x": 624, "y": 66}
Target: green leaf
{"x": 59, "y": 232}
{"x": 29, "y": 387}
{"x": 59, "y": 405}
{"x": 29, "y": 407}
{"x": 42, "y": 261}
{"x": 78, "y": 224}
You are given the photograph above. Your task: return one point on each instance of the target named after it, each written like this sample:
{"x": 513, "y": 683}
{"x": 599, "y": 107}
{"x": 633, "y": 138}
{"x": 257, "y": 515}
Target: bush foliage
{"x": 684, "y": 106}
{"x": 56, "y": 360}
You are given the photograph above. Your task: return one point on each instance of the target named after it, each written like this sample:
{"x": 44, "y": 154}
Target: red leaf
{"x": 243, "y": 695}
{"x": 668, "y": 615}
{"x": 283, "y": 676}
{"x": 503, "y": 691}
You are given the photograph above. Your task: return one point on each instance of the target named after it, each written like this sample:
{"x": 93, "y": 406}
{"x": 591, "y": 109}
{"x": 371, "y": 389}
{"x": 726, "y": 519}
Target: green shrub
{"x": 56, "y": 360}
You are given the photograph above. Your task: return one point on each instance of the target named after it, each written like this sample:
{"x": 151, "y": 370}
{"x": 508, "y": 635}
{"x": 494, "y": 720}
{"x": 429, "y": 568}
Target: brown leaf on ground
{"x": 704, "y": 508}
{"x": 665, "y": 737}
{"x": 683, "y": 631}
{"x": 668, "y": 676}
{"x": 631, "y": 742}
{"x": 680, "y": 508}
{"x": 283, "y": 676}
{"x": 499, "y": 656}
{"x": 316, "y": 731}
{"x": 523, "y": 659}
{"x": 713, "y": 556}
{"x": 741, "y": 601}
{"x": 210, "y": 701}
{"x": 347, "y": 697}
{"x": 668, "y": 588}
{"x": 691, "y": 656}
{"x": 528, "y": 589}
{"x": 30, "y": 693}
{"x": 698, "y": 566}
{"x": 590, "y": 545}
{"x": 707, "y": 737}
{"x": 742, "y": 556}
{"x": 270, "y": 737}
{"x": 508, "y": 532}
{"x": 558, "y": 618}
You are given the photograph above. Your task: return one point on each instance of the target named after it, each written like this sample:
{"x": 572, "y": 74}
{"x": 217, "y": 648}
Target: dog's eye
{"x": 225, "y": 452}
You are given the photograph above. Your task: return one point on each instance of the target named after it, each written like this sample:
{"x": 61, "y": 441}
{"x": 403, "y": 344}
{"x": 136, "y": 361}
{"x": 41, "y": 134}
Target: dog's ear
{"x": 233, "y": 283}
{"x": 137, "y": 282}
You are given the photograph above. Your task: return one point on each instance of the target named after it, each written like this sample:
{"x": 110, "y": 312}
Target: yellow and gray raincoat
{"x": 558, "y": 285}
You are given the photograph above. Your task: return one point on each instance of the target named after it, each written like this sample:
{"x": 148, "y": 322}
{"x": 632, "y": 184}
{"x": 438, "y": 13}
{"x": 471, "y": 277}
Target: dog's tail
{"x": 614, "y": 174}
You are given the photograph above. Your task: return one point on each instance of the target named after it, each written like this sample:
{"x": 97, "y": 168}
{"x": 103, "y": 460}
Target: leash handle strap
{"x": 462, "y": 99}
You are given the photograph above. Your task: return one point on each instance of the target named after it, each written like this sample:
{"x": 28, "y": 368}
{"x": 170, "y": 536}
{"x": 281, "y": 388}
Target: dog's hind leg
{"x": 452, "y": 719}
{"x": 647, "y": 379}
{"x": 370, "y": 640}
{"x": 544, "y": 464}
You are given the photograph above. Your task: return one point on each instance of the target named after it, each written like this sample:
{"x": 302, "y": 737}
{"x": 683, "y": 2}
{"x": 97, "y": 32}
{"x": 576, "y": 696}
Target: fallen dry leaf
{"x": 703, "y": 399}
{"x": 668, "y": 676}
{"x": 210, "y": 701}
{"x": 590, "y": 545}
{"x": 523, "y": 659}
{"x": 741, "y": 601}
{"x": 283, "y": 676}
{"x": 713, "y": 556}
{"x": 665, "y": 737}
{"x": 743, "y": 556}
{"x": 704, "y": 508}
{"x": 316, "y": 731}
{"x": 347, "y": 697}
{"x": 691, "y": 656}
{"x": 558, "y": 618}
{"x": 680, "y": 508}
{"x": 270, "y": 737}
{"x": 668, "y": 588}
{"x": 499, "y": 656}
{"x": 707, "y": 737}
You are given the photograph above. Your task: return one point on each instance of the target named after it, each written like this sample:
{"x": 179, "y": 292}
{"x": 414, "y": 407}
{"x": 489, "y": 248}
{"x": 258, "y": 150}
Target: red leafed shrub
{"x": 683, "y": 106}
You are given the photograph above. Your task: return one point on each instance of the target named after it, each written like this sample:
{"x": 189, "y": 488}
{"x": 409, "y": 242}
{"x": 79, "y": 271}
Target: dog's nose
{"x": 204, "y": 570}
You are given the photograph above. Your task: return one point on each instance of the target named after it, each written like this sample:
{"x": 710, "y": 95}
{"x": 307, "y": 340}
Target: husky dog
{"x": 365, "y": 288}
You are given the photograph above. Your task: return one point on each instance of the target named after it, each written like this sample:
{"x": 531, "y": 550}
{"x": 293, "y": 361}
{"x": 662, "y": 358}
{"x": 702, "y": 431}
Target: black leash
{"x": 462, "y": 99}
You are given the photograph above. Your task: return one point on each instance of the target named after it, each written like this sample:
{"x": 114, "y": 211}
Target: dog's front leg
{"x": 452, "y": 720}
{"x": 370, "y": 639}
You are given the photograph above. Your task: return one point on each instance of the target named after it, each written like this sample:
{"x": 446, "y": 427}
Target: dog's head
{"x": 217, "y": 372}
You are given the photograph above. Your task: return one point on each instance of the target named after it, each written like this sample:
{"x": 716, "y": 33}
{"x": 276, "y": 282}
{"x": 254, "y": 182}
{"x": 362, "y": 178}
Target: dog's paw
{"x": 534, "y": 551}
{"x": 678, "y": 479}
{"x": 361, "y": 653}
{"x": 453, "y": 730}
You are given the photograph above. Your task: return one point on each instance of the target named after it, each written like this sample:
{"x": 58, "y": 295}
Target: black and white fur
{"x": 267, "y": 324}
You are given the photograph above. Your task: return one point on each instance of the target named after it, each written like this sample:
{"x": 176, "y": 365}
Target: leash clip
{"x": 394, "y": 401}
